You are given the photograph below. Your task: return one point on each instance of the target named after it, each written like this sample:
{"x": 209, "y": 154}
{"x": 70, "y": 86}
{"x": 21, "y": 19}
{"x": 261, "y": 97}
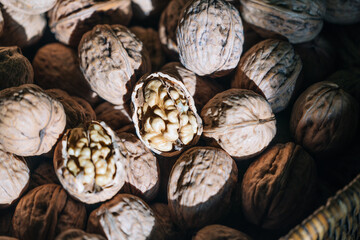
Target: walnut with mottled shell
{"x": 216, "y": 232}
{"x": 342, "y": 11}
{"x": 115, "y": 116}
{"x": 30, "y": 7}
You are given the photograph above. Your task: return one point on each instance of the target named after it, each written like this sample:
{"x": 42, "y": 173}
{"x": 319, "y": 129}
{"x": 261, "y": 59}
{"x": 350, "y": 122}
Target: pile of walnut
{"x": 174, "y": 119}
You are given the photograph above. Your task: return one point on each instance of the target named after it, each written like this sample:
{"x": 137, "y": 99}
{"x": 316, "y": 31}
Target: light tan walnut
{"x": 30, "y": 7}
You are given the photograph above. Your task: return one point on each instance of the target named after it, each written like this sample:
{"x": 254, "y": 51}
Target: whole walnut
{"x": 57, "y": 66}
{"x": 31, "y": 121}
{"x": 15, "y": 69}
{"x": 6, "y": 215}
{"x": 240, "y": 122}
{"x": 112, "y": 59}
{"x": 324, "y": 118}
{"x": 166, "y": 228}
{"x": 270, "y": 68}
{"x": 70, "y": 19}
{"x": 14, "y": 180}
{"x": 216, "y": 232}
{"x": 342, "y": 11}
{"x": 297, "y": 20}
{"x": 45, "y": 212}
{"x": 30, "y": 7}
{"x": 279, "y": 186}
{"x": 200, "y": 187}
{"x": 147, "y": 8}
{"x": 116, "y": 116}
{"x": 43, "y": 174}
{"x": 348, "y": 80}
{"x": 210, "y": 37}
{"x": 78, "y": 234}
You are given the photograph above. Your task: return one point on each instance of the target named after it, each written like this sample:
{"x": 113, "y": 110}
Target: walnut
{"x": 298, "y": 20}
{"x": 15, "y": 69}
{"x": 164, "y": 114}
{"x": 239, "y": 121}
{"x": 43, "y": 174}
{"x": 116, "y": 116}
{"x": 7, "y": 238}
{"x": 215, "y": 232}
{"x": 142, "y": 168}
{"x": 88, "y": 163}
{"x": 277, "y": 188}
{"x": 78, "y": 234}
{"x": 119, "y": 55}
{"x": 1, "y": 23}
{"x": 324, "y": 118}
{"x": 151, "y": 41}
{"x": 57, "y": 66}
{"x": 31, "y": 121}
{"x": 342, "y": 11}
{"x": 89, "y": 111}
{"x": 123, "y": 217}
{"x": 166, "y": 228}
{"x": 5, "y": 220}
{"x": 30, "y": 7}
{"x": 201, "y": 89}
{"x": 70, "y": 19}
{"x": 148, "y": 8}
{"x": 200, "y": 186}
{"x": 348, "y": 80}
{"x": 45, "y": 212}
{"x": 210, "y": 37}
{"x": 270, "y": 68}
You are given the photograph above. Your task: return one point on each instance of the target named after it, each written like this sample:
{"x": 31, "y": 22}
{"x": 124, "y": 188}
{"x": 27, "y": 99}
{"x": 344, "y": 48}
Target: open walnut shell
{"x": 164, "y": 114}
{"x": 88, "y": 163}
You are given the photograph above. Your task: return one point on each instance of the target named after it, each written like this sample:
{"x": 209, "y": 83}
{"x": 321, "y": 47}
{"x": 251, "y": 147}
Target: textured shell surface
{"x": 31, "y": 7}
{"x": 342, "y": 11}
{"x": 215, "y": 232}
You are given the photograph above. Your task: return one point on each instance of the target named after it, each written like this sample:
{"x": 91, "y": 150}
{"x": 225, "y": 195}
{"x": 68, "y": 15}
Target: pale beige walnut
{"x": 200, "y": 187}
{"x": 148, "y": 8}
{"x": 166, "y": 228}
{"x": 15, "y": 176}
{"x": 151, "y": 41}
{"x": 210, "y": 37}
{"x": 239, "y": 121}
{"x": 270, "y": 68}
{"x": 116, "y": 116}
{"x": 123, "y": 217}
{"x": 342, "y": 11}
{"x": 15, "y": 68}
{"x": 324, "y": 118}
{"x": 31, "y": 121}
{"x": 70, "y": 19}
{"x": 112, "y": 59}
{"x": 50, "y": 211}
{"x": 30, "y": 7}
{"x": 78, "y": 234}
{"x": 88, "y": 163}
{"x": 164, "y": 114}
{"x": 215, "y": 232}
{"x": 57, "y": 66}
{"x": 201, "y": 89}
{"x": 21, "y": 29}
{"x": 142, "y": 167}
{"x": 297, "y": 20}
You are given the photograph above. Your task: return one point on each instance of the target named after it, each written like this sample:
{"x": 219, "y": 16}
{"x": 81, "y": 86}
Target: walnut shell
{"x": 200, "y": 186}
{"x": 15, "y": 69}
{"x": 7, "y": 238}
{"x": 116, "y": 116}
{"x": 142, "y": 167}
{"x": 232, "y": 117}
{"x": 299, "y": 21}
{"x": 215, "y": 232}
{"x": 50, "y": 211}
{"x": 119, "y": 55}
{"x": 210, "y": 37}
{"x": 166, "y": 228}
{"x": 348, "y": 80}
{"x": 164, "y": 114}
{"x": 342, "y": 12}
{"x": 88, "y": 163}
{"x": 43, "y": 174}
{"x": 148, "y": 8}
{"x": 77, "y": 234}
{"x": 70, "y": 19}
{"x": 278, "y": 188}
{"x": 5, "y": 221}
{"x": 31, "y": 121}
{"x": 123, "y": 217}
{"x": 324, "y": 118}
{"x": 89, "y": 111}
{"x": 15, "y": 176}
{"x": 30, "y": 7}
{"x": 271, "y": 69}
{"x": 57, "y": 66}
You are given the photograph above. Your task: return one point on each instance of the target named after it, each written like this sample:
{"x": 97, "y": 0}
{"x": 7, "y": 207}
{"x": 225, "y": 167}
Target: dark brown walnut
{"x": 50, "y": 211}
{"x": 151, "y": 41}
{"x": 57, "y": 66}
{"x": 200, "y": 187}
{"x": 5, "y": 221}
{"x": 43, "y": 174}
{"x": 164, "y": 114}
{"x": 270, "y": 68}
{"x": 30, "y": 7}
{"x": 112, "y": 59}
{"x": 14, "y": 180}
{"x": 348, "y": 80}
{"x": 166, "y": 228}
{"x": 215, "y": 232}
{"x": 88, "y": 163}
{"x": 210, "y": 37}
{"x": 342, "y": 11}
{"x": 251, "y": 37}
{"x": 89, "y": 111}
{"x": 201, "y": 89}
{"x": 7, "y": 238}
{"x": 31, "y": 121}
{"x": 70, "y": 19}
{"x": 1, "y": 23}
{"x": 239, "y": 121}
{"x": 324, "y": 118}
{"x": 15, "y": 69}
{"x": 116, "y": 116}
{"x": 78, "y": 234}
{"x": 278, "y": 188}
{"x": 123, "y": 217}
{"x": 148, "y": 8}
{"x": 298, "y": 20}
{"x": 142, "y": 167}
